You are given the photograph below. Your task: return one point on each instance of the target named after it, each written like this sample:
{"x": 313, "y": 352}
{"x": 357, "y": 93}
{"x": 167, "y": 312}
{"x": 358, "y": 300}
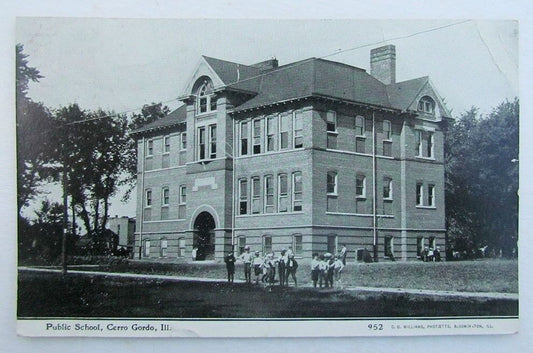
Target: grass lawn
{"x": 78, "y": 295}
{"x": 469, "y": 276}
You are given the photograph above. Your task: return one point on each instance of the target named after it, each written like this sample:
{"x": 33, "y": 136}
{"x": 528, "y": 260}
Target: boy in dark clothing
{"x": 292, "y": 265}
{"x": 230, "y": 266}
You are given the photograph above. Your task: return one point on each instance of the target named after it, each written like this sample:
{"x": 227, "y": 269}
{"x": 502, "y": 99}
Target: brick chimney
{"x": 383, "y": 64}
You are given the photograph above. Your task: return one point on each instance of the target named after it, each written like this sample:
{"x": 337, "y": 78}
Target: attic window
{"x": 426, "y": 104}
{"x": 206, "y": 98}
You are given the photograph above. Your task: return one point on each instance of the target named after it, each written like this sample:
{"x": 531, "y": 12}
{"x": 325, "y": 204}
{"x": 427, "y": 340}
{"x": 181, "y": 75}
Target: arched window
{"x": 163, "y": 247}
{"x": 206, "y": 100}
{"x": 426, "y": 104}
{"x": 267, "y": 244}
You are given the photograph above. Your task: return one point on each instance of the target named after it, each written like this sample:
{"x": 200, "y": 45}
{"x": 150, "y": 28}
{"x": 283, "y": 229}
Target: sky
{"x": 122, "y": 64}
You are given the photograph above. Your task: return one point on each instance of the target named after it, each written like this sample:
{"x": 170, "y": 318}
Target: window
{"x": 431, "y": 195}
{"x": 432, "y": 243}
{"x": 271, "y": 133}
{"x": 298, "y": 130}
{"x": 429, "y": 145}
{"x": 269, "y": 194}
{"x": 420, "y": 245}
{"x": 332, "y": 183}
{"x": 360, "y": 186}
{"x": 244, "y": 138}
{"x": 183, "y": 141}
{"x": 206, "y": 99}
{"x": 389, "y": 246}
{"x": 148, "y": 198}
{"x": 181, "y": 247}
{"x": 182, "y": 207}
{"x": 419, "y": 194}
{"x": 332, "y": 244}
{"x": 183, "y": 195}
{"x": 149, "y": 148}
{"x": 243, "y": 196}
{"x": 283, "y": 193}
{"x": 257, "y": 136}
{"x": 205, "y": 150}
{"x": 256, "y": 195}
{"x": 331, "y": 121}
{"x": 387, "y": 188}
{"x": 166, "y": 144}
{"x": 297, "y": 191}
{"x": 284, "y": 131}
{"x": 241, "y": 244}
{"x": 212, "y": 141}
{"x": 386, "y": 130}
{"x": 426, "y": 104}
{"x": 297, "y": 244}
{"x": 164, "y": 246}
{"x": 418, "y": 143}
{"x": 165, "y": 196}
{"x": 201, "y": 143}
{"x": 267, "y": 244}
{"x": 147, "y": 248}
{"x": 359, "y": 126}
{"x": 387, "y": 148}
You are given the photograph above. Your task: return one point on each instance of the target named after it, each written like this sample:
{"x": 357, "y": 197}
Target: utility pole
{"x": 65, "y": 209}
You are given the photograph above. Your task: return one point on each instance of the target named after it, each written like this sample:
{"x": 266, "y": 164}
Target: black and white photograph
{"x": 248, "y": 178}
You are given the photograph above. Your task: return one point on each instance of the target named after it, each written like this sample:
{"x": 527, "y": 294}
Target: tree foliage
{"x": 33, "y": 141}
{"x": 93, "y": 147}
{"x": 482, "y": 179}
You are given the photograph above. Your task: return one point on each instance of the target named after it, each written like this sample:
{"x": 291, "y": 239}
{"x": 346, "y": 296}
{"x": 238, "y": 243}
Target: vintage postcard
{"x": 254, "y": 178}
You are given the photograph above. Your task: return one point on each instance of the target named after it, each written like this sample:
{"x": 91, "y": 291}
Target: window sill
{"x": 426, "y": 207}
{"x": 332, "y": 132}
{"x": 166, "y": 153}
{"x": 388, "y": 199}
{"x": 269, "y": 214}
{"x": 358, "y": 214}
{"x": 360, "y": 137}
{"x": 333, "y": 195}
{"x": 363, "y": 198}
{"x": 149, "y": 156}
{"x": 425, "y": 158}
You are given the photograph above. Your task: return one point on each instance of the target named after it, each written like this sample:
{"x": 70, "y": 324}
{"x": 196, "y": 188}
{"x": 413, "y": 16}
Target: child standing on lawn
{"x": 292, "y": 265}
{"x": 315, "y": 269}
{"x": 338, "y": 266}
{"x": 257, "y": 263}
{"x": 331, "y": 271}
{"x": 323, "y": 271}
{"x": 246, "y": 257}
{"x": 230, "y": 266}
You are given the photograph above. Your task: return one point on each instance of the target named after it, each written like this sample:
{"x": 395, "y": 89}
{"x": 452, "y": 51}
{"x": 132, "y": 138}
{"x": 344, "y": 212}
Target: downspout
{"x": 374, "y": 191}
{"x": 233, "y": 188}
{"x": 141, "y": 222}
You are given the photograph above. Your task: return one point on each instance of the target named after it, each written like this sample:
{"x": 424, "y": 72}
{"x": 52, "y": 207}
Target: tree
{"x": 482, "y": 179}
{"x": 92, "y": 146}
{"x": 33, "y": 141}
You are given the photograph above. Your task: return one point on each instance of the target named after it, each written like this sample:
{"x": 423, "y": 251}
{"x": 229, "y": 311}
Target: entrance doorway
{"x": 204, "y": 236}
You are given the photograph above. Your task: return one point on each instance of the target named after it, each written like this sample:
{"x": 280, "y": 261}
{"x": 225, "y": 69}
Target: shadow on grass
{"x": 51, "y": 295}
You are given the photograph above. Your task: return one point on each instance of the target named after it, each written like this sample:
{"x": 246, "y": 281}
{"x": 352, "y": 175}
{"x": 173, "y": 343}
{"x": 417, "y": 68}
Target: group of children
{"x": 326, "y": 268}
{"x": 285, "y": 263}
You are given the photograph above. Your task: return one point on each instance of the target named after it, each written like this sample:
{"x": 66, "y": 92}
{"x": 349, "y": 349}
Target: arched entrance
{"x": 204, "y": 236}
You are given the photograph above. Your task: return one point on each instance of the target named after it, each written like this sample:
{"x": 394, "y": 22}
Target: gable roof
{"x": 402, "y": 94}
{"x": 313, "y": 77}
{"x": 173, "y": 118}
